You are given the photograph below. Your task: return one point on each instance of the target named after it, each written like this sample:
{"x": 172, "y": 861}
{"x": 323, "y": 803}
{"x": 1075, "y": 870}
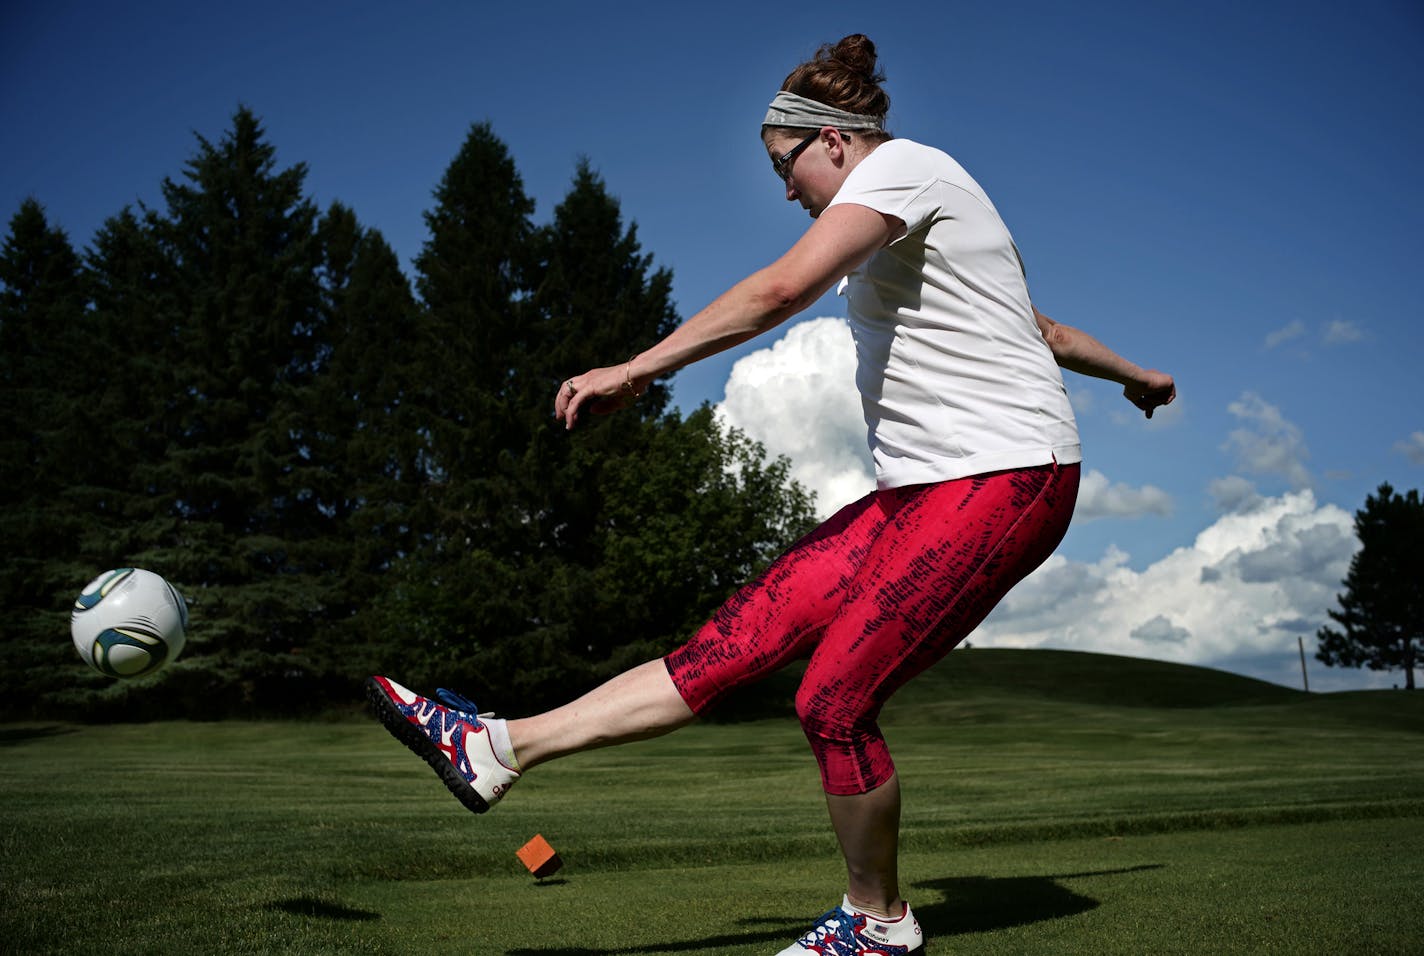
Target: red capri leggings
{"x": 879, "y": 592}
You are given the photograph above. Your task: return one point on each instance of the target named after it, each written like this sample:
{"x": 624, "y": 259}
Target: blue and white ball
{"x": 129, "y": 622}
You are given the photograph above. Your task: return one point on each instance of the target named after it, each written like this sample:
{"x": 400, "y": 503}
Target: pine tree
{"x": 360, "y": 452}
{"x": 235, "y": 328}
{"x": 42, "y": 346}
{"x": 244, "y": 396}
{"x": 460, "y": 587}
{"x": 1381, "y": 613}
{"x": 130, "y": 391}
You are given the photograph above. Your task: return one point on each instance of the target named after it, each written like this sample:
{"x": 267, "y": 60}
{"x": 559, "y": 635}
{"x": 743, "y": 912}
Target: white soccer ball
{"x": 129, "y": 622}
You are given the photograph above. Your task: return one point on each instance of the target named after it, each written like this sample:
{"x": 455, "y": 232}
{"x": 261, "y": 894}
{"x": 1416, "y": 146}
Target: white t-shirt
{"x": 954, "y": 376}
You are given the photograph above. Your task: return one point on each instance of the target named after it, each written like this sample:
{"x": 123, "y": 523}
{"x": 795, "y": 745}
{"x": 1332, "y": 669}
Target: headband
{"x": 788, "y": 109}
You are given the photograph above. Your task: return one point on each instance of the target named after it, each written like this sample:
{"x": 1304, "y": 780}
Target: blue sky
{"x": 1230, "y": 192}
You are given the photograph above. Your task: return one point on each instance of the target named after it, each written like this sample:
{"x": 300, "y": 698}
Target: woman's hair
{"x": 843, "y": 75}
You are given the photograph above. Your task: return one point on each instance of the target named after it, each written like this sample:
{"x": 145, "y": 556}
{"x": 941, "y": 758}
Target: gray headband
{"x": 788, "y": 109}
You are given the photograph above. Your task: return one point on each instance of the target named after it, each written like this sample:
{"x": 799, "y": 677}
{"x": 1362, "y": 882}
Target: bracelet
{"x": 628, "y": 388}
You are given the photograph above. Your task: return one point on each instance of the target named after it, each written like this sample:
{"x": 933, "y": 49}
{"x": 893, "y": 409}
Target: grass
{"x": 1055, "y": 802}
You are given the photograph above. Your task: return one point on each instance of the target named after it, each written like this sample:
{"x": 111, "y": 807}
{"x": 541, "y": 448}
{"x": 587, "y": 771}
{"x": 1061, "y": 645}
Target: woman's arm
{"x": 1079, "y": 352}
{"x": 836, "y": 244}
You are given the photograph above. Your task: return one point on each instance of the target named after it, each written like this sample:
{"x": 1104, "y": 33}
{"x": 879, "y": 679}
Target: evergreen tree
{"x": 42, "y": 348}
{"x": 361, "y": 457}
{"x": 244, "y": 396}
{"x": 460, "y": 585}
{"x": 127, "y": 413}
{"x": 1381, "y": 613}
{"x": 234, "y": 324}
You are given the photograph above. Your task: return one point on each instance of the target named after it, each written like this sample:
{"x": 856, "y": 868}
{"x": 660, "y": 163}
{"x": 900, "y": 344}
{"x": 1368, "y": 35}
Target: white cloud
{"x": 1412, "y": 447}
{"x": 798, "y": 398}
{"x": 1233, "y": 494}
{"x": 1246, "y": 587}
{"x": 1270, "y": 444}
{"x": 1335, "y": 332}
{"x": 1340, "y": 332}
{"x": 1100, "y": 498}
{"x": 1280, "y": 336}
{"x": 1159, "y": 630}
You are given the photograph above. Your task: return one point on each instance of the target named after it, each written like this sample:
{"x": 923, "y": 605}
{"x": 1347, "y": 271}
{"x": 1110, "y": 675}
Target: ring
{"x": 570, "y": 386}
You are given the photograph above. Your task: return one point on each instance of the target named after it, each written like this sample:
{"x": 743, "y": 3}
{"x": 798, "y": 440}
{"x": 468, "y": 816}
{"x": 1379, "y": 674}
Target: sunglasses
{"x": 782, "y": 165}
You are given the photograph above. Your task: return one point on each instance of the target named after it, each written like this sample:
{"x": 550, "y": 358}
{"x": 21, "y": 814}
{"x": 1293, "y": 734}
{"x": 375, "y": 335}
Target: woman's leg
{"x": 868, "y": 828}
{"x": 636, "y": 705}
{"x": 950, "y": 554}
{"x": 763, "y": 626}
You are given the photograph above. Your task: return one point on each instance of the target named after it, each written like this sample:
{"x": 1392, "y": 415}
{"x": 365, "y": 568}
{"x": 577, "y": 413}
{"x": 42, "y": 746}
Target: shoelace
{"x": 461, "y": 705}
{"x": 833, "y": 926}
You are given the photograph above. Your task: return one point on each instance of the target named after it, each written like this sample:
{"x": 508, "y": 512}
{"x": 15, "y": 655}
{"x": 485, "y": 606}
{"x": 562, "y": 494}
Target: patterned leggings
{"x": 875, "y": 595}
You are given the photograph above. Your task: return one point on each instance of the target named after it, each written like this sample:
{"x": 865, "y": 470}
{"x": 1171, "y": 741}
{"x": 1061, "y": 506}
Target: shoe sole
{"x": 416, "y": 740}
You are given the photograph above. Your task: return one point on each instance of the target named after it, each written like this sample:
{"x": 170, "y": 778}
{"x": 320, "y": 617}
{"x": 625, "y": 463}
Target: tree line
{"x": 345, "y": 471}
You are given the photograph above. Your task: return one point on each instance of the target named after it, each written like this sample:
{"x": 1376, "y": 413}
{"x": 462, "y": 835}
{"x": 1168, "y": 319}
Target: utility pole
{"x": 1300, "y": 642}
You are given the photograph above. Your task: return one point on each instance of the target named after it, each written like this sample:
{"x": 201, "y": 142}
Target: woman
{"x": 976, "y": 456}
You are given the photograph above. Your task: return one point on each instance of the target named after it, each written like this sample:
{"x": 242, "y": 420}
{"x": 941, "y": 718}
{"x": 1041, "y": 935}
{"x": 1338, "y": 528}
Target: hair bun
{"x": 842, "y": 75}
{"x": 857, "y": 54}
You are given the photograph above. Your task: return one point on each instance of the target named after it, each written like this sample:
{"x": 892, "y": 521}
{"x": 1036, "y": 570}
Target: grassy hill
{"x": 987, "y": 684}
{"x": 1098, "y": 679}
{"x": 1054, "y": 802}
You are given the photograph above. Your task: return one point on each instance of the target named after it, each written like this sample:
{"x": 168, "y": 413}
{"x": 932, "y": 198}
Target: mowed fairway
{"x": 1054, "y": 803}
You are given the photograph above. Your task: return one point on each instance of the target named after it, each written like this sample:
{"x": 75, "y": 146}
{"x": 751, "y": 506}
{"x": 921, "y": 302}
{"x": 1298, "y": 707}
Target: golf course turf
{"x": 1054, "y": 803}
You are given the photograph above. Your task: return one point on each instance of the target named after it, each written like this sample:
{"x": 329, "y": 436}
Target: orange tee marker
{"x": 539, "y": 858}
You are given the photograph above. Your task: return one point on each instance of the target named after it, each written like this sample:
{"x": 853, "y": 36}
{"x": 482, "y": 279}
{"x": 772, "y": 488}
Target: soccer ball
{"x": 129, "y": 622}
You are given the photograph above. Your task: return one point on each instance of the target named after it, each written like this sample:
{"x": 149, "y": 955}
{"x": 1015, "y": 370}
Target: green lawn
{"x": 1055, "y": 803}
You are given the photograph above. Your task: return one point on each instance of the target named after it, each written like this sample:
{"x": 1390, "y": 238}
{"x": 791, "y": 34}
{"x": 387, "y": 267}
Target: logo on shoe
{"x": 873, "y": 939}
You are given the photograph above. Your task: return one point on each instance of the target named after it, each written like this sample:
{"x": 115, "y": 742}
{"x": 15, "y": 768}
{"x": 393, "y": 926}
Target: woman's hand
{"x": 602, "y": 390}
{"x": 1153, "y": 389}
{"x": 1079, "y": 352}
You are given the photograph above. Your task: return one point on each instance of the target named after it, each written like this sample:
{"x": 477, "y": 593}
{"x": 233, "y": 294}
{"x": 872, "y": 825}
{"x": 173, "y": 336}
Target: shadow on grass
{"x": 981, "y": 904}
{"x": 967, "y": 904}
{"x": 321, "y": 909}
{"x": 19, "y": 735}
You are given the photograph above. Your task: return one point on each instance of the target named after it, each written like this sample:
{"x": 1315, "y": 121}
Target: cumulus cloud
{"x": 1340, "y": 332}
{"x": 1412, "y": 447}
{"x": 1283, "y": 335}
{"x": 1100, "y": 498}
{"x": 1159, "y": 630}
{"x": 1246, "y": 587}
{"x": 1267, "y": 443}
{"x": 798, "y": 399}
{"x": 1233, "y": 494}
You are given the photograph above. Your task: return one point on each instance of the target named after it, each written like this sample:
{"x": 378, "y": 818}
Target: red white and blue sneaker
{"x": 844, "y": 931}
{"x": 451, "y": 736}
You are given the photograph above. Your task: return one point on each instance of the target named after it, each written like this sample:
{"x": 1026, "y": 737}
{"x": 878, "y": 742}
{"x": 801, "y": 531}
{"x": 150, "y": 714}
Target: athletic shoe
{"x": 453, "y": 739}
{"x": 845, "y": 932}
